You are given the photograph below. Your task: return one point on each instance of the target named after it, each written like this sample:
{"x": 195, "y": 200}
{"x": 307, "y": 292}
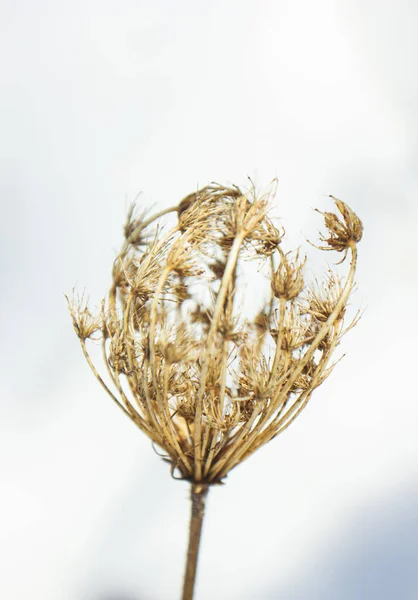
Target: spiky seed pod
{"x": 295, "y": 329}
{"x": 206, "y": 384}
{"x": 322, "y": 298}
{"x": 85, "y": 324}
{"x": 343, "y": 233}
{"x": 288, "y": 281}
{"x": 135, "y": 228}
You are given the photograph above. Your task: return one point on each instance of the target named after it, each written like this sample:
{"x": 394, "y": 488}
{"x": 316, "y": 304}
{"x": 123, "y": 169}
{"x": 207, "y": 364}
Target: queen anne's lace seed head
{"x": 206, "y": 383}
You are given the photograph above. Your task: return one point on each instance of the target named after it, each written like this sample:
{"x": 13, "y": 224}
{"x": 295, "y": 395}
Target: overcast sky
{"x": 102, "y": 101}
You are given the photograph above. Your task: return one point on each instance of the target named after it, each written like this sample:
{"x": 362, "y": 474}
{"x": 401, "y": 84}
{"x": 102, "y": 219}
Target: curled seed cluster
{"x": 343, "y": 234}
{"x": 206, "y": 385}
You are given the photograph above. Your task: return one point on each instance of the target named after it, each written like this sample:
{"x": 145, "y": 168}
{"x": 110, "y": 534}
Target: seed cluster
{"x": 207, "y": 385}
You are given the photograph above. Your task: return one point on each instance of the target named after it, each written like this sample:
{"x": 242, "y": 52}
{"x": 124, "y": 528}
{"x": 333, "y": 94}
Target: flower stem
{"x": 199, "y": 492}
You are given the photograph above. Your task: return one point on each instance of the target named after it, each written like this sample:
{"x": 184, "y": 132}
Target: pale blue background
{"x": 102, "y": 100}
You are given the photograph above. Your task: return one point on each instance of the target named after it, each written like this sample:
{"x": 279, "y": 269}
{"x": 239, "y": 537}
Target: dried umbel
{"x": 208, "y": 386}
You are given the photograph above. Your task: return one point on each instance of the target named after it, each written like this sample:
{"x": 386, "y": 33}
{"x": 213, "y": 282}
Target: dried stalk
{"x": 199, "y": 494}
{"x": 208, "y": 386}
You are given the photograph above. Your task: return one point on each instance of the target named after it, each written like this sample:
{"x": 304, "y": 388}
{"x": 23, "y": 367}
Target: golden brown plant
{"x": 206, "y": 385}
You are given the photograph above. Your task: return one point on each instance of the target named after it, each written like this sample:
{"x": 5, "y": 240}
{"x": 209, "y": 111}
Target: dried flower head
{"x": 322, "y": 298}
{"x": 206, "y": 384}
{"x": 288, "y": 280}
{"x": 344, "y": 233}
{"x": 85, "y": 324}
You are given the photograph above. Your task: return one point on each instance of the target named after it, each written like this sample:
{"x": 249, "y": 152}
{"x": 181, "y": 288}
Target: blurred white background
{"x": 103, "y": 100}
